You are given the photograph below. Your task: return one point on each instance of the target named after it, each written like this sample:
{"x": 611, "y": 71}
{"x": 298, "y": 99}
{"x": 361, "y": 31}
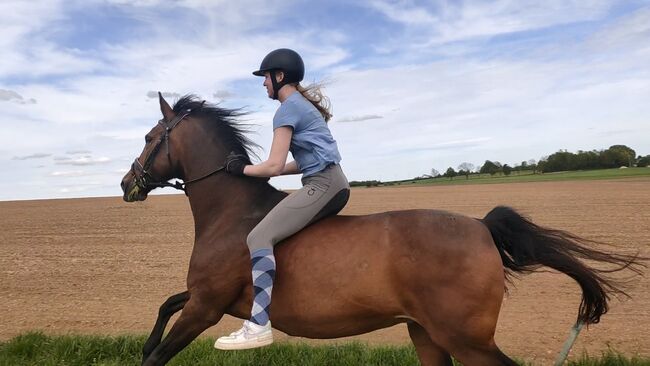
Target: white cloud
{"x": 223, "y": 94}
{"x": 154, "y": 95}
{"x": 76, "y": 152}
{"x": 12, "y": 96}
{"x": 9, "y": 95}
{"x": 630, "y": 33}
{"x": 27, "y": 49}
{"x": 402, "y": 12}
{"x": 365, "y": 117}
{"x": 85, "y": 160}
{"x": 32, "y": 156}
{"x": 20, "y": 19}
{"x": 71, "y": 173}
{"x": 445, "y": 21}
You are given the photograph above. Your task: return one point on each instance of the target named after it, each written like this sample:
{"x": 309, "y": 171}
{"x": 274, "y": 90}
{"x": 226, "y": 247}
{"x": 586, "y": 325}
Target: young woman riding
{"x": 299, "y": 126}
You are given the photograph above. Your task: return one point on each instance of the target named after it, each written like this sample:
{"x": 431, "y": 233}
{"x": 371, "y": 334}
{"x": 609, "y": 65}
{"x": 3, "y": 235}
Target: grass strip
{"x": 526, "y": 177}
{"x": 36, "y": 348}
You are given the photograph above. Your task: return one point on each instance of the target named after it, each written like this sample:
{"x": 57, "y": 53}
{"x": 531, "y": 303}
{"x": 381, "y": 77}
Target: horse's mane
{"x": 231, "y": 132}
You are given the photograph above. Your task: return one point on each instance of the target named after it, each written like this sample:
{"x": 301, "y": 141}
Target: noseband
{"x": 143, "y": 178}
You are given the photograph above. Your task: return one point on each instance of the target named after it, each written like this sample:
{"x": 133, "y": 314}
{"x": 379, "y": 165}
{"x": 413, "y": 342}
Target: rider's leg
{"x": 293, "y": 213}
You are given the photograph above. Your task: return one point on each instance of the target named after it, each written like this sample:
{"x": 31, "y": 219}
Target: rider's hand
{"x": 235, "y": 163}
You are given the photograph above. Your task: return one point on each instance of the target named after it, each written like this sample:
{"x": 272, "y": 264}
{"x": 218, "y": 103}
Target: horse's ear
{"x": 167, "y": 111}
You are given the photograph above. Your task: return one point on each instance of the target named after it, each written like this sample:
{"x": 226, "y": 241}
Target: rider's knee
{"x": 255, "y": 241}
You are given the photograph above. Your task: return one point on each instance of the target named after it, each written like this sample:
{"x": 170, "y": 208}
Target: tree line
{"x": 615, "y": 156}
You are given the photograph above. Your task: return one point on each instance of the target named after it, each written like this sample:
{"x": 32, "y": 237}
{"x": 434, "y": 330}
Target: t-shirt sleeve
{"x": 286, "y": 115}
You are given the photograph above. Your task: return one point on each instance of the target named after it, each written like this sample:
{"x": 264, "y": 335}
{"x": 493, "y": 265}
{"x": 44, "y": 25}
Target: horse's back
{"x": 422, "y": 226}
{"x": 391, "y": 235}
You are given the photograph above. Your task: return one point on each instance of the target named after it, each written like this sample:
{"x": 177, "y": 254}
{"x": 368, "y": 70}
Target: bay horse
{"x": 441, "y": 273}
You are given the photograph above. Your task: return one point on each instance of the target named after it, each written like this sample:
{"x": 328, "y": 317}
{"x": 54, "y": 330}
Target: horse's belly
{"x": 326, "y": 319}
{"x": 334, "y": 295}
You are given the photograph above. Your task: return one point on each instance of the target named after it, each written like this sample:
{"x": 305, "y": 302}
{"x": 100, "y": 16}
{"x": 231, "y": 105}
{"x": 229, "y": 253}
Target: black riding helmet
{"x": 285, "y": 60}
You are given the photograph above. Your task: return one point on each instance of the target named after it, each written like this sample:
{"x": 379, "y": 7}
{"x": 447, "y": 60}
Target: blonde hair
{"x": 314, "y": 94}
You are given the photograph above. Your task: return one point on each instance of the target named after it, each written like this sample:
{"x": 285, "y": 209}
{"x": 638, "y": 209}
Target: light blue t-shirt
{"x": 312, "y": 145}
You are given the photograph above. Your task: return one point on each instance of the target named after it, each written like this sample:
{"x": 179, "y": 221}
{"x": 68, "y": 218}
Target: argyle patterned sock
{"x": 263, "y": 274}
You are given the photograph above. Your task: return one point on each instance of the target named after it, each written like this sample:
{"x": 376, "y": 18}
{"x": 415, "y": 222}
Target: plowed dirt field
{"x": 103, "y": 266}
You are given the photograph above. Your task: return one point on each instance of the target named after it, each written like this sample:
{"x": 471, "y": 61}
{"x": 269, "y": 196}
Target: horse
{"x": 441, "y": 273}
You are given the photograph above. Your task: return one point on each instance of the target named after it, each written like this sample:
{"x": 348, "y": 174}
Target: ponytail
{"x": 314, "y": 94}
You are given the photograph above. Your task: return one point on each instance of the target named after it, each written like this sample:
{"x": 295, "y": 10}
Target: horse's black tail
{"x": 524, "y": 247}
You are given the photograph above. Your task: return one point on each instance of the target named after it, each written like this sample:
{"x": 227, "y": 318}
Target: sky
{"x": 415, "y": 85}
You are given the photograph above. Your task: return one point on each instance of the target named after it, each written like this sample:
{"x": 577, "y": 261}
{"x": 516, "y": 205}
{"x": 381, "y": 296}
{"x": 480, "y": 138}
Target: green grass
{"x": 75, "y": 350}
{"x": 609, "y": 358}
{"x": 39, "y": 349}
{"x": 528, "y": 176}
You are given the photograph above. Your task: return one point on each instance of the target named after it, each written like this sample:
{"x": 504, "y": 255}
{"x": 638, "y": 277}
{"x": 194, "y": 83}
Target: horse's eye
{"x": 147, "y": 139}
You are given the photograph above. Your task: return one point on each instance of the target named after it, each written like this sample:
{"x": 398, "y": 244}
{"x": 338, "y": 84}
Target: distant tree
{"x": 643, "y": 161}
{"x": 490, "y": 167}
{"x": 621, "y": 155}
{"x": 507, "y": 169}
{"x": 522, "y": 166}
{"x": 587, "y": 160}
{"x": 611, "y": 159}
{"x": 560, "y": 161}
{"x": 434, "y": 172}
{"x": 541, "y": 165}
{"x": 465, "y": 169}
{"x": 367, "y": 183}
{"x": 532, "y": 165}
{"x": 450, "y": 173}
{"x": 563, "y": 160}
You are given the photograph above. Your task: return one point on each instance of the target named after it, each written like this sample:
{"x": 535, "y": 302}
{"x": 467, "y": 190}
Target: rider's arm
{"x": 290, "y": 168}
{"x": 275, "y": 165}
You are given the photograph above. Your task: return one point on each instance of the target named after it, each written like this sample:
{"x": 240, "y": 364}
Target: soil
{"x": 103, "y": 266}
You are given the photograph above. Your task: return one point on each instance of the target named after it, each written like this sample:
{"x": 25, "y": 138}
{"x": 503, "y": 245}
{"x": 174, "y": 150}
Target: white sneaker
{"x": 250, "y": 335}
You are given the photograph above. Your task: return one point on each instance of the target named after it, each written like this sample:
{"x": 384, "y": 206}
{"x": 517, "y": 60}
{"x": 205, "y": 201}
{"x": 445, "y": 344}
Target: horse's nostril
{"x": 122, "y": 184}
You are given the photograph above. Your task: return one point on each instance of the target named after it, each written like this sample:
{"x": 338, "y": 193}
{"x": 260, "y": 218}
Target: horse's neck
{"x": 228, "y": 203}
{"x": 222, "y": 203}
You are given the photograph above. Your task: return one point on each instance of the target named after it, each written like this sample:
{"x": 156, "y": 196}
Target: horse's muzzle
{"x": 131, "y": 191}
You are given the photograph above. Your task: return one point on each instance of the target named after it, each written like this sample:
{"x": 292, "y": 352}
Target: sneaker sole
{"x": 248, "y": 345}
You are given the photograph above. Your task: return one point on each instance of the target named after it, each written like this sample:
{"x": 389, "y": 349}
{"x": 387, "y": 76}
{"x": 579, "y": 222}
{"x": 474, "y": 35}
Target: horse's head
{"x": 155, "y": 165}
{"x": 192, "y": 152}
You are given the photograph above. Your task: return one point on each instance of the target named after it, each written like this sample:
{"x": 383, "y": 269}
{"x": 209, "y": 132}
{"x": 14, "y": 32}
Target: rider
{"x": 299, "y": 126}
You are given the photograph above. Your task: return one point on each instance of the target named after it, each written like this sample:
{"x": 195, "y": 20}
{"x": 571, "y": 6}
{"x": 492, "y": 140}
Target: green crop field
{"x": 76, "y": 350}
{"x": 528, "y": 176}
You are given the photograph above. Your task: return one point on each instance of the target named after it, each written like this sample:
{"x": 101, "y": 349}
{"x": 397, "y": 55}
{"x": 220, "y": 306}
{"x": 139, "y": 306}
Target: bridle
{"x": 143, "y": 178}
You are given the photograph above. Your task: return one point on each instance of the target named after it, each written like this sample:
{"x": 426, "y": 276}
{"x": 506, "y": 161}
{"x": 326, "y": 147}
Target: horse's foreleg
{"x": 428, "y": 352}
{"x": 196, "y": 317}
{"x": 170, "y": 307}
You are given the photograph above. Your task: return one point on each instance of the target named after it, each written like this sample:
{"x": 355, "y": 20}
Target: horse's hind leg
{"x": 471, "y": 343}
{"x": 195, "y": 318}
{"x": 488, "y": 355}
{"x": 170, "y": 307}
{"x": 467, "y": 335}
{"x": 428, "y": 352}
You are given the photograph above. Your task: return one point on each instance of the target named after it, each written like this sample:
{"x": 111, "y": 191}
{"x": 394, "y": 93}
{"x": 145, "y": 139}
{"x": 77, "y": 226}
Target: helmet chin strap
{"x": 276, "y": 85}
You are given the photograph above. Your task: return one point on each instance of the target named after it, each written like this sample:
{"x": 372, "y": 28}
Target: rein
{"x": 143, "y": 178}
